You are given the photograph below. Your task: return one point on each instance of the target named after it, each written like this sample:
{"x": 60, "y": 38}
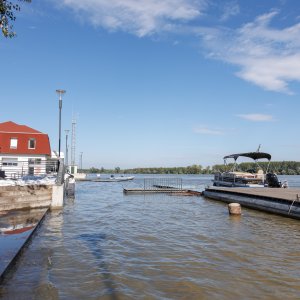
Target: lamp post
{"x": 60, "y": 93}
{"x": 67, "y": 148}
{"x": 81, "y": 161}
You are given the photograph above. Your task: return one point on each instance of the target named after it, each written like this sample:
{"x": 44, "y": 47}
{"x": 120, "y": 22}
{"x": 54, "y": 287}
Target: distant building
{"x": 23, "y": 150}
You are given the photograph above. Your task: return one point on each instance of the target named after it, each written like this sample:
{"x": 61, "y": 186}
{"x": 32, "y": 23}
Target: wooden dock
{"x": 280, "y": 201}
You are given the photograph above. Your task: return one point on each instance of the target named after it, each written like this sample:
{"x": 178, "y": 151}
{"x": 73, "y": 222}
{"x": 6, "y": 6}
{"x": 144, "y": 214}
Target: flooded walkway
{"x": 107, "y": 245}
{"x": 16, "y": 228}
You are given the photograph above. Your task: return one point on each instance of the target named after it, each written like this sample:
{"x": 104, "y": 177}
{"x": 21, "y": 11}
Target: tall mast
{"x": 73, "y": 142}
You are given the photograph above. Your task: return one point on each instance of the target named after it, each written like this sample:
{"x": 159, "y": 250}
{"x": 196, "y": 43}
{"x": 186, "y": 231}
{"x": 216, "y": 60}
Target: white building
{"x": 23, "y": 151}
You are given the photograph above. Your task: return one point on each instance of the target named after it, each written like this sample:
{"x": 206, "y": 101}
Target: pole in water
{"x": 234, "y": 209}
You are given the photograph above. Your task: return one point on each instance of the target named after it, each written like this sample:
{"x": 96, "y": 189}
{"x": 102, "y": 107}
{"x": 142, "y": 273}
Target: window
{"x": 13, "y": 143}
{"x": 9, "y": 162}
{"x": 34, "y": 161}
{"x": 31, "y": 144}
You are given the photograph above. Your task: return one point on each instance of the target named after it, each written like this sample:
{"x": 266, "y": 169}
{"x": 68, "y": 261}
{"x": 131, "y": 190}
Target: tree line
{"x": 280, "y": 168}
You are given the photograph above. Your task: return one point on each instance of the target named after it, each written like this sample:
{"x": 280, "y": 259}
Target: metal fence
{"x": 162, "y": 183}
{"x": 16, "y": 169}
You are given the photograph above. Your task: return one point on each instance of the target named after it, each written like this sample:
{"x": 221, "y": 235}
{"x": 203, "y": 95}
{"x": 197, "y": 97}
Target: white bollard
{"x": 57, "y": 196}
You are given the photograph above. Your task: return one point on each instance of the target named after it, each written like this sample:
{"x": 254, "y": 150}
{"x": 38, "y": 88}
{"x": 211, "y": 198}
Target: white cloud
{"x": 230, "y": 9}
{"x": 141, "y": 17}
{"x": 268, "y": 57}
{"x": 256, "y": 117}
{"x": 206, "y": 130}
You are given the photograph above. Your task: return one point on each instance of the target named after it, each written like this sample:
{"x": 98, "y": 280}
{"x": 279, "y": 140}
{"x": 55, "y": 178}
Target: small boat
{"x": 113, "y": 178}
{"x": 251, "y": 178}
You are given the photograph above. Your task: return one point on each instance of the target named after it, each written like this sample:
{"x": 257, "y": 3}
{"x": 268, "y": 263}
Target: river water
{"x": 107, "y": 245}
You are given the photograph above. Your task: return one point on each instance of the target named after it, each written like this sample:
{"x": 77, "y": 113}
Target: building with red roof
{"x": 23, "y": 150}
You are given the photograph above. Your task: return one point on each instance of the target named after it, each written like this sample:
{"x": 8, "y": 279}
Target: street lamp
{"x": 81, "y": 161}
{"x": 67, "y": 148}
{"x": 60, "y": 93}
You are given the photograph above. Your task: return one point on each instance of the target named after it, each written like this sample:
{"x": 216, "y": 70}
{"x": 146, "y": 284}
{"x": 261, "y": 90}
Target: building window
{"x": 34, "y": 161}
{"x": 13, "y": 143}
{"x": 31, "y": 143}
{"x": 9, "y": 162}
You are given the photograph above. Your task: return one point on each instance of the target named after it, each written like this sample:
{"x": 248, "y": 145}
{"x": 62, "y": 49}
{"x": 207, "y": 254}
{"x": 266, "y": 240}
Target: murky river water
{"x": 106, "y": 245}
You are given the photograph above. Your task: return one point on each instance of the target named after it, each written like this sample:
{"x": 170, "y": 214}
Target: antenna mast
{"x": 73, "y": 142}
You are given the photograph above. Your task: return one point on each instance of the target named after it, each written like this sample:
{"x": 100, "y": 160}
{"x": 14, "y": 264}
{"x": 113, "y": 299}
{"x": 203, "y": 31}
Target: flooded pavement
{"x": 15, "y": 228}
{"x": 107, "y": 245}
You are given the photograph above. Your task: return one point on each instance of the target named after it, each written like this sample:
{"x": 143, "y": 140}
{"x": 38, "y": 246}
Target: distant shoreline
{"x": 278, "y": 167}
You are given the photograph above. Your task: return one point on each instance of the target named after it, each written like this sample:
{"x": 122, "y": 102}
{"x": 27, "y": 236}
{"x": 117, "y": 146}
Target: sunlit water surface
{"x": 107, "y": 245}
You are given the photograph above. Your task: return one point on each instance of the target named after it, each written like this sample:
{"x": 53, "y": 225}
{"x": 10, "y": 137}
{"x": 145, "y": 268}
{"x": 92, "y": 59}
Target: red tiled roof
{"x": 23, "y": 133}
{"x": 14, "y": 127}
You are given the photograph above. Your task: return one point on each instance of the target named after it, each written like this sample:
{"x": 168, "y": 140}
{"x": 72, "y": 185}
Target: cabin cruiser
{"x": 250, "y": 178}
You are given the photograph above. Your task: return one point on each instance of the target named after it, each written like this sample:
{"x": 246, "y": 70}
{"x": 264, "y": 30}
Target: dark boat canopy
{"x": 253, "y": 155}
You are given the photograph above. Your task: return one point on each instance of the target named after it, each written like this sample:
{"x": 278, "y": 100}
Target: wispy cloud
{"x": 230, "y": 9}
{"x": 206, "y": 130}
{"x": 256, "y": 117}
{"x": 143, "y": 17}
{"x": 268, "y": 57}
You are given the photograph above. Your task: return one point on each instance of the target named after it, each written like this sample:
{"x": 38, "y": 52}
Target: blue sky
{"x": 157, "y": 82}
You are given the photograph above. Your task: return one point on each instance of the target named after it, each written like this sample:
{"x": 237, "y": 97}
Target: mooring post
{"x": 234, "y": 209}
{"x": 58, "y": 189}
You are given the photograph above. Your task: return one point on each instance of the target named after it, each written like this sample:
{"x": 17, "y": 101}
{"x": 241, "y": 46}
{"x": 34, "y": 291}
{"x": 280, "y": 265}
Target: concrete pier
{"x": 285, "y": 202}
{"x": 31, "y": 196}
{"x": 58, "y": 192}
{"x": 25, "y": 197}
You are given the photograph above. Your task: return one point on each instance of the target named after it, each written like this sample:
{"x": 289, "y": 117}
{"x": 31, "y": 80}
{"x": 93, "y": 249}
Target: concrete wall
{"x": 21, "y": 197}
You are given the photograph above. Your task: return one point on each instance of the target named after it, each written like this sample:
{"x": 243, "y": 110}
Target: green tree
{"x": 7, "y": 16}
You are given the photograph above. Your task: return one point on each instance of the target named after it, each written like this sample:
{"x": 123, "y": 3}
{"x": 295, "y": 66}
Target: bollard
{"x": 234, "y": 209}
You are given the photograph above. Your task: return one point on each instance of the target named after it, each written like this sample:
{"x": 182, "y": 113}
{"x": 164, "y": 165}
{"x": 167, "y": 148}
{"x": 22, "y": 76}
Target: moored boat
{"x": 251, "y": 178}
{"x": 113, "y": 178}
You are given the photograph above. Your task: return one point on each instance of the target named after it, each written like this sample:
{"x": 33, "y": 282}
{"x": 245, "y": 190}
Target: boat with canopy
{"x": 256, "y": 177}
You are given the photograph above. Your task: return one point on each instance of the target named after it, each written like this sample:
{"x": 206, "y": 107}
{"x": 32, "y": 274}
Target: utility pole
{"x": 73, "y": 142}
{"x": 67, "y": 148}
{"x": 81, "y": 160}
{"x": 60, "y": 93}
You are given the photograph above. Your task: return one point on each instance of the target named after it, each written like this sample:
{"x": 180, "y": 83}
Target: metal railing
{"x": 15, "y": 169}
{"x": 162, "y": 183}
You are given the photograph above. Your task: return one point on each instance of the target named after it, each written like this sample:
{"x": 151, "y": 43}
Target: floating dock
{"x": 168, "y": 190}
{"x": 285, "y": 202}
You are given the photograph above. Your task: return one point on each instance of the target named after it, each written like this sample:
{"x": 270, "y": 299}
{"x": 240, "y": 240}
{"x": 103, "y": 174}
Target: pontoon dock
{"x": 280, "y": 201}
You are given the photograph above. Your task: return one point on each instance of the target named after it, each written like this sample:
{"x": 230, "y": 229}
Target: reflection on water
{"x": 106, "y": 245}
{"x": 15, "y": 228}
